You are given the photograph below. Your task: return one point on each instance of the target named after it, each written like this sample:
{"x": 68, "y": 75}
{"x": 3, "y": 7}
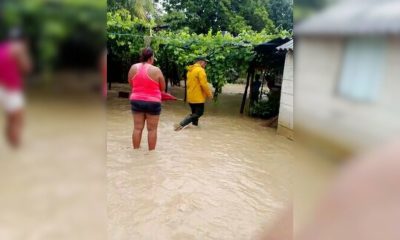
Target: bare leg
{"x": 152, "y": 125}
{"x": 14, "y": 128}
{"x": 138, "y": 122}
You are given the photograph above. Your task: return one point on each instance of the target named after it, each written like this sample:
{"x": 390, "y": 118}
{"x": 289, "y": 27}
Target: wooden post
{"x": 262, "y": 83}
{"x": 251, "y": 86}
{"x": 249, "y": 73}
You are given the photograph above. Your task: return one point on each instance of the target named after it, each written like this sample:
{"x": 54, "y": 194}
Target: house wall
{"x": 285, "y": 122}
{"x": 321, "y": 110}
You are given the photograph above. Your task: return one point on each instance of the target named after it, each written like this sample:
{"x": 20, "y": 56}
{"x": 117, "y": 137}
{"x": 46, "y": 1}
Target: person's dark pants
{"x": 197, "y": 112}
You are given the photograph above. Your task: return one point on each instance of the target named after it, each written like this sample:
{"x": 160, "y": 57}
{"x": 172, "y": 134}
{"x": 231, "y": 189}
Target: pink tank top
{"x": 143, "y": 87}
{"x": 10, "y": 75}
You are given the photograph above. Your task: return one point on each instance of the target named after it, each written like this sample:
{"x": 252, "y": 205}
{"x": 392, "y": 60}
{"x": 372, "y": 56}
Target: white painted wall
{"x": 319, "y": 107}
{"x": 286, "y": 105}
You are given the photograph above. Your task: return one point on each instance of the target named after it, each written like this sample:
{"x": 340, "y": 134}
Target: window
{"x": 363, "y": 69}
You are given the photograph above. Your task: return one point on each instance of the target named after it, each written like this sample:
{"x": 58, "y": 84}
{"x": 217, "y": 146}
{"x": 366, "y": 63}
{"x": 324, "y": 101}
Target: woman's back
{"x": 10, "y": 75}
{"x": 144, "y": 83}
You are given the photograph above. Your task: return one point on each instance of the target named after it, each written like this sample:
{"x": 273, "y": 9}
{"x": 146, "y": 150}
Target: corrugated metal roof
{"x": 286, "y": 46}
{"x": 270, "y": 46}
{"x": 355, "y": 18}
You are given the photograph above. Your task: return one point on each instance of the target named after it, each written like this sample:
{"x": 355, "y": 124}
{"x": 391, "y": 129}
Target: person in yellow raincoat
{"x": 197, "y": 92}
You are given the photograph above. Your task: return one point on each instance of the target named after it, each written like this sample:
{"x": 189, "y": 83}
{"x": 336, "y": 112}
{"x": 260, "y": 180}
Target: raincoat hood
{"x": 192, "y": 67}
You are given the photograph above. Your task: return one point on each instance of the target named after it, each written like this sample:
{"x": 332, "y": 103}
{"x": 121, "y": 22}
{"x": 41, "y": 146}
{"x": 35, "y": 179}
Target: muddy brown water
{"x": 227, "y": 179}
{"x": 53, "y": 187}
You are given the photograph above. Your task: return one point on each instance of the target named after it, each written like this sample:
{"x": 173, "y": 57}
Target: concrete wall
{"x": 285, "y": 122}
{"x": 319, "y": 107}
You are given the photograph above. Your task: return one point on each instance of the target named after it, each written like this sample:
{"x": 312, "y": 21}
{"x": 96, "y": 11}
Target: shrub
{"x": 267, "y": 108}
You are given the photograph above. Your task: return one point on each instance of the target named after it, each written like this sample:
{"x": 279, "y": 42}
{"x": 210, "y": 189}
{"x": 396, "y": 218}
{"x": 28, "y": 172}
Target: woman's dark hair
{"x": 146, "y": 54}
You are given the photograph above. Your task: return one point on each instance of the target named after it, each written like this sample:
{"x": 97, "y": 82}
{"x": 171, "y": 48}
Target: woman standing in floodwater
{"x": 15, "y": 63}
{"x": 147, "y": 83}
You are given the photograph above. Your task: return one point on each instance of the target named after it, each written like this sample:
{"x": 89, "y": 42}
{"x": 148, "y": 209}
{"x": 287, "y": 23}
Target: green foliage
{"x": 175, "y": 20}
{"x": 281, "y": 12}
{"x": 305, "y": 8}
{"x": 313, "y": 4}
{"x": 234, "y": 16}
{"x": 226, "y": 52}
{"x": 256, "y": 14}
{"x": 50, "y": 23}
{"x": 125, "y": 34}
{"x": 141, "y": 9}
{"x": 267, "y": 108}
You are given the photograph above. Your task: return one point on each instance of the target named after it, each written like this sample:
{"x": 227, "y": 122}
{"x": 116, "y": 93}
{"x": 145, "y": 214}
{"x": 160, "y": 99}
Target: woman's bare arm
{"x": 131, "y": 74}
{"x": 24, "y": 60}
{"x": 161, "y": 80}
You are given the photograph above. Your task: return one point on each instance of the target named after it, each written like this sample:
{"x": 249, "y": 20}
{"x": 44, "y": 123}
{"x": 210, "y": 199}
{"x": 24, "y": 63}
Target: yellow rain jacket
{"x": 197, "y": 85}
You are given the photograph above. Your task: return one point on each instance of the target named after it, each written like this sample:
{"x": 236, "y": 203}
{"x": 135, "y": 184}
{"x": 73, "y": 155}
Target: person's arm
{"x": 161, "y": 80}
{"x": 204, "y": 83}
{"x": 102, "y": 63}
{"x": 131, "y": 74}
{"x": 24, "y": 59}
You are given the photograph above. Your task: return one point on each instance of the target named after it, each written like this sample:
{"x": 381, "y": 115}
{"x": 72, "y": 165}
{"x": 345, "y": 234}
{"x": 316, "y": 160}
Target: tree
{"x": 142, "y": 9}
{"x": 255, "y": 12}
{"x": 281, "y": 12}
{"x": 234, "y": 16}
{"x": 305, "y": 8}
{"x": 200, "y": 15}
{"x": 175, "y": 20}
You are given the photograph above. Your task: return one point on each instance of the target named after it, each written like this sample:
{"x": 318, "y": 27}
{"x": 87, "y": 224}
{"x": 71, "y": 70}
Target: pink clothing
{"x": 10, "y": 74}
{"x": 143, "y": 87}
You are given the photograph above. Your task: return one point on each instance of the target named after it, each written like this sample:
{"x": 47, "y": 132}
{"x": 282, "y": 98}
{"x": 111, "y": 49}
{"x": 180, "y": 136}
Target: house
{"x": 348, "y": 73}
{"x": 285, "y": 120}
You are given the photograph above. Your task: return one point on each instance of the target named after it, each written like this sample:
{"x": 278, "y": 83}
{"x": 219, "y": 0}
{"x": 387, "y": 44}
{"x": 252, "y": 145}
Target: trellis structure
{"x": 269, "y": 63}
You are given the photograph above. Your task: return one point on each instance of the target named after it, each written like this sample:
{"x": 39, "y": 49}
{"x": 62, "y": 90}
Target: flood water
{"x": 227, "y": 179}
{"x": 53, "y": 187}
